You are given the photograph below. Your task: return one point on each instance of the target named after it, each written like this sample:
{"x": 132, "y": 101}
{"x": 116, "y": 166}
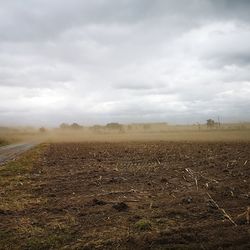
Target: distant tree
{"x": 114, "y": 125}
{"x": 64, "y": 126}
{"x": 42, "y": 130}
{"x": 75, "y": 126}
{"x": 210, "y": 123}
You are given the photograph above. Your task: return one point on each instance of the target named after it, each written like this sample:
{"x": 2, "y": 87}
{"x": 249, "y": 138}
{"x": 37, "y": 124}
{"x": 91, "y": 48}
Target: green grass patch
{"x": 143, "y": 225}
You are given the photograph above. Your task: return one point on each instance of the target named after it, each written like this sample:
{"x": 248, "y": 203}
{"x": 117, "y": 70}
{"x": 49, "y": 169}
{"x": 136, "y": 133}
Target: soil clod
{"x": 120, "y": 206}
{"x": 98, "y": 202}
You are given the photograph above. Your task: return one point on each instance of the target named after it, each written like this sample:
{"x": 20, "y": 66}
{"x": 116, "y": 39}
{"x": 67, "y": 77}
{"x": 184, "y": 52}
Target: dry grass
{"x": 170, "y": 134}
{"x": 13, "y": 177}
{"x": 16, "y": 196}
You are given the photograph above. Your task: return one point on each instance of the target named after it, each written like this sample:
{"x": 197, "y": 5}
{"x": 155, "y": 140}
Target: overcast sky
{"x": 99, "y": 61}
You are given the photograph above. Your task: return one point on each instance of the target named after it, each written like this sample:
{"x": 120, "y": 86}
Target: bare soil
{"x": 130, "y": 195}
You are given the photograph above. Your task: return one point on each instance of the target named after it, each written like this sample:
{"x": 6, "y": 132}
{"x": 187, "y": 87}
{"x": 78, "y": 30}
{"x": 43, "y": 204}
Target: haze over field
{"x": 127, "y": 61}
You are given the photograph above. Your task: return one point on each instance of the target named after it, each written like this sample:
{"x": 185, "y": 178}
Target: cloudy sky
{"x": 179, "y": 61}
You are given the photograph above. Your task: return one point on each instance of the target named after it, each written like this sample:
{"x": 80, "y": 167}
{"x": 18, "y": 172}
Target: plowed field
{"x": 155, "y": 195}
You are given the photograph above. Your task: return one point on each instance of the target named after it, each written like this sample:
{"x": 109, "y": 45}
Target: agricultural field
{"x": 127, "y": 195}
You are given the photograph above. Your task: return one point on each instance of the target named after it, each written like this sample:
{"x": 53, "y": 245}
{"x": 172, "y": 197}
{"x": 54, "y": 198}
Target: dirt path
{"x": 9, "y": 152}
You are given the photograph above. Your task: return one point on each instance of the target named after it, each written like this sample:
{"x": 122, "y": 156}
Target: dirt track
{"x": 11, "y": 151}
{"x": 155, "y": 195}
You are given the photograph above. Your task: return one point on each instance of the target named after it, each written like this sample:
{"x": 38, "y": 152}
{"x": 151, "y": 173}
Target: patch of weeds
{"x": 26, "y": 225}
{"x": 98, "y": 244}
{"x": 15, "y": 181}
{"x": 13, "y": 168}
{"x": 64, "y": 222}
{"x": 4, "y": 235}
{"x": 54, "y": 240}
{"x": 40, "y": 243}
{"x": 23, "y": 164}
{"x": 143, "y": 225}
{"x": 7, "y": 238}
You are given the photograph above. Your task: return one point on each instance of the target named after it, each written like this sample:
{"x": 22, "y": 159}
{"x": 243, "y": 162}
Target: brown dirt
{"x": 129, "y": 195}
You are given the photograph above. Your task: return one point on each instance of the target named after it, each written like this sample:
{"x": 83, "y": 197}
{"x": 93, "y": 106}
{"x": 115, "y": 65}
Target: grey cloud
{"x": 240, "y": 59}
{"x": 101, "y": 60}
{"x": 45, "y": 20}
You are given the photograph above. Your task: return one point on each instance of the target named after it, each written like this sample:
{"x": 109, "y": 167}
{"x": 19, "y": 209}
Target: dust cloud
{"x": 115, "y": 132}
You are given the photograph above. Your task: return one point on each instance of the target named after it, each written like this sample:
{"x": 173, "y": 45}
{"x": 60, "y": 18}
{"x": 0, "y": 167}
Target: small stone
{"x": 187, "y": 200}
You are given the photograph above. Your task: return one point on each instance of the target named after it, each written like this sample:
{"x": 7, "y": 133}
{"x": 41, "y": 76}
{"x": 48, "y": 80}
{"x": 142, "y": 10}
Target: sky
{"x": 100, "y": 61}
